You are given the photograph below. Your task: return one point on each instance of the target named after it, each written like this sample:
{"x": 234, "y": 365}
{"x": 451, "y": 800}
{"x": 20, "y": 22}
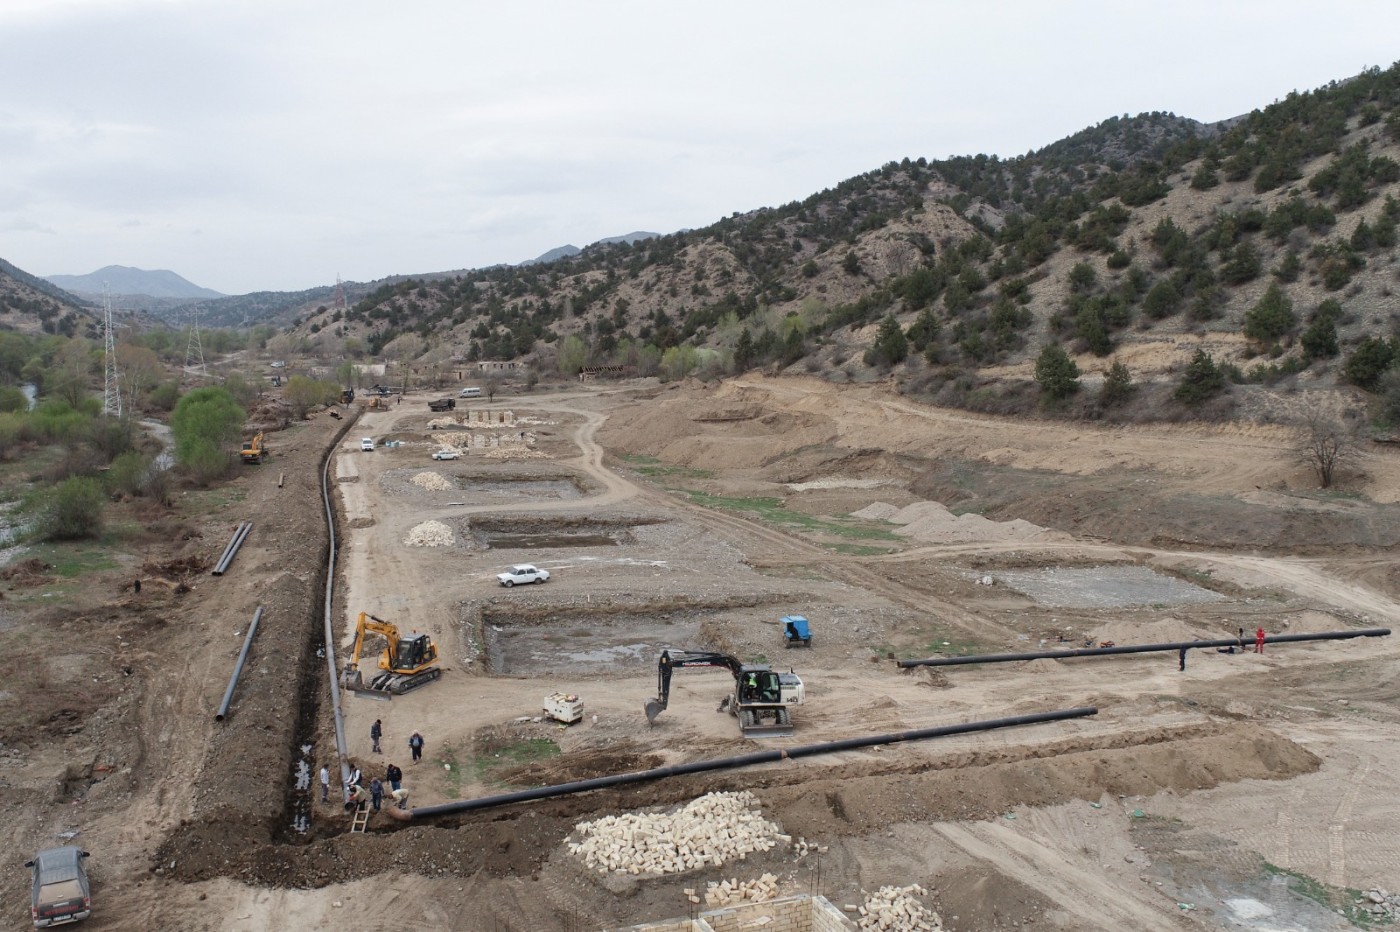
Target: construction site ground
{"x": 1249, "y": 791}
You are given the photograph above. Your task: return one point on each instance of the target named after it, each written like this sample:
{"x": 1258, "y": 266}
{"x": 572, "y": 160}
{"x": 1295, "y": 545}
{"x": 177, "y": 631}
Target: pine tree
{"x": 1271, "y": 318}
{"x": 890, "y": 345}
{"x": 1056, "y": 372}
{"x": 1202, "y": 380}
{"x": 1118, "y": 385}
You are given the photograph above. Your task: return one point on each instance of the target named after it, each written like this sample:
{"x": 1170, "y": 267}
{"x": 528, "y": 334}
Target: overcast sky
{"x": 275, "y": 144}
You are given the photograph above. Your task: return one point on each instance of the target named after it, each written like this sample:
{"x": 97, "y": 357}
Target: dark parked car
{"x": 61, "y": 890}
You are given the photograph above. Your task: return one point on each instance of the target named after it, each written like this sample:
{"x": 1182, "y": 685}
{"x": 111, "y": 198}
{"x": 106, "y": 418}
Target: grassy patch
{"x": 1342, "y": 900}
{"x": 71, "y": 560}
{"x": 509, "y": 756}
{"x": 452, "y": 773}
{"x": 930, "y": 643}
{"x": 653, "y": 468}
{"x": 207, "y": 500}
{"x": 773, "y": 511}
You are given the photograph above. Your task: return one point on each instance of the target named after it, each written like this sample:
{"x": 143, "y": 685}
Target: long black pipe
{"x": 1142, "y": 648}
{"x": 232, "y": 549}
{"x": 745, "y": 760}
{"x": 238, "y": 667}
{"x": 227, "y": 547}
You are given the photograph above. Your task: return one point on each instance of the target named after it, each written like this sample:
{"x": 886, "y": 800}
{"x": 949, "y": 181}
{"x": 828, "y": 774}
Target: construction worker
{"x": 1259, "y": 640}
{"x": 400, "y": 798}
{"x": 358, "y": 797}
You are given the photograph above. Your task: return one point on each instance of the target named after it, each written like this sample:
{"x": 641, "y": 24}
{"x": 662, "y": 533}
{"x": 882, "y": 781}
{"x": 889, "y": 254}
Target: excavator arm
{"x": 758, "y": 699}
{"x": 683, "y": 658}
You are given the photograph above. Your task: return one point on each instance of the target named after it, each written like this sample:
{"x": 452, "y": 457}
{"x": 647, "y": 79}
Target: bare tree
{"x": 1325, "y": 445}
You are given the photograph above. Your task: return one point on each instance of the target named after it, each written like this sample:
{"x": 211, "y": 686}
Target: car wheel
{"x": 539, "y": 579}
{"x": 508, "y": 583}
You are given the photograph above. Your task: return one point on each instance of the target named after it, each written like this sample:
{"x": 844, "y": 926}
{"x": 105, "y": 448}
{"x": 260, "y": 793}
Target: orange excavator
{"x": 406, "y": 662}
{"x": 253, "y": 450}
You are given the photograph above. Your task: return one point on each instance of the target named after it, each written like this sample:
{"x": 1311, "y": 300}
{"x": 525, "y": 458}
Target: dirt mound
{"x": 31, "y": 572}
{"x": 877, "y": 511}
{"x": 179, "y": 568}
{"x": 1163, "y": 631}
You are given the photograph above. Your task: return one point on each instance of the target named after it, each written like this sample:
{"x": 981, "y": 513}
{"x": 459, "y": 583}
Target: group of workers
{"x": 357, "y": 795}
{"x": 1259, "y": 637}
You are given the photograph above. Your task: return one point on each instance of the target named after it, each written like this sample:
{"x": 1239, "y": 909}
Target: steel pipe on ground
{"x": 229, "y": 552}
{"x": 744, "y": 760}
{"x": 238, "y": 667}
{"x": 229, "y": 546}
{"x": 1143, "y": 648}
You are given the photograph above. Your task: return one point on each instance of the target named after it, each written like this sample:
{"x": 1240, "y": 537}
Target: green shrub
{"x": 73, "y": 510}
{"x": 12, "y": 399}
{"x": 128, "y": 473}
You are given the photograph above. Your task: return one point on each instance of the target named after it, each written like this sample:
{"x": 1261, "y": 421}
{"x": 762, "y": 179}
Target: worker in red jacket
{"x": 1259, "y": 640}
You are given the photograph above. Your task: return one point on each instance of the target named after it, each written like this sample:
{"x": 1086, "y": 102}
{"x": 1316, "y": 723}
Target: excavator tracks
{"x": 753, "y": 724}
{"x": 398, "y": 684}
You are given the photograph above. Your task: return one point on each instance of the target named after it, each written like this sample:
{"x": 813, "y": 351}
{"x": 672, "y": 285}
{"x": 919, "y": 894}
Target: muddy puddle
{"x": 585, "y": 646}
{"x": 1104, "y": 587}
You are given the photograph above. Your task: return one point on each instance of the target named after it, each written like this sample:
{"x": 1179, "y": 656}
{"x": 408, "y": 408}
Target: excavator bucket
{"x": 653, "y": 709}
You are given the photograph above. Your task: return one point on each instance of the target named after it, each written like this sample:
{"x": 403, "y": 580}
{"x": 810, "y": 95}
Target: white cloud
{"x": 307, "y": 138}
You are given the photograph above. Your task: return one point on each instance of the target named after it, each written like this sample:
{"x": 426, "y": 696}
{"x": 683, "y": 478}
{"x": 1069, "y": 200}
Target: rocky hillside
{"x": 1268, "y": 242}
{"x": 29, "y": 304}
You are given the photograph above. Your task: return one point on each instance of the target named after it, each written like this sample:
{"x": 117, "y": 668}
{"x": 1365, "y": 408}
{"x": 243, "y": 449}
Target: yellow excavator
{"x": 407, "y": 662}
{"x": 253, "y": 450}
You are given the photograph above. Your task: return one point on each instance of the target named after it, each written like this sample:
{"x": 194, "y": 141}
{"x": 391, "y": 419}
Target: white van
{"x": 472, "y": 392}
{"x": 367, "y": 444}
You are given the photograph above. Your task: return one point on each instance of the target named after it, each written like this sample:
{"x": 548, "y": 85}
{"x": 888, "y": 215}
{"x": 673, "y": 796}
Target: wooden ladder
{"x": 361, "y": 819}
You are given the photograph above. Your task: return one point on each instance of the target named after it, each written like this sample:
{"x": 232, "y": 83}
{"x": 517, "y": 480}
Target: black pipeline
{"x": 243, "y": 528}
{"x": 1143, "y": 648}
{"x": 238, "y": 667}
{"x": 745, "y": 760}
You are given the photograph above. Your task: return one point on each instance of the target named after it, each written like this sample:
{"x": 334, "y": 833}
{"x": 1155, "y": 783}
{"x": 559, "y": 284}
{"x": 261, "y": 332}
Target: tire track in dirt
{"x": 1077, "y": 891}
{"x": 1336, "y": 831}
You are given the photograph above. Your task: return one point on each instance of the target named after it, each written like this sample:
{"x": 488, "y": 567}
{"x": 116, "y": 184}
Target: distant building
{"x": 488, "y": 366}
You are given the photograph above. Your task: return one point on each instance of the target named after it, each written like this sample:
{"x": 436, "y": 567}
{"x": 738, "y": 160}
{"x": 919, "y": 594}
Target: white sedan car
{"x": 446, "y": 455}
{"x": 522, "y": 573}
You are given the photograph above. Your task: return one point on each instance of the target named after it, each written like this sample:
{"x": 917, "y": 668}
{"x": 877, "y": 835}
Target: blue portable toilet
{"x": 796, "y": 631}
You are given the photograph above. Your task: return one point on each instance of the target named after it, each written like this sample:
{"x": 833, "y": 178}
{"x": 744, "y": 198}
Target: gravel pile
{"x": 707, "y": 832}
{"x": 898, "y": 908}
{"x": 431, "y": 534}
{"x": 433, "y": 482}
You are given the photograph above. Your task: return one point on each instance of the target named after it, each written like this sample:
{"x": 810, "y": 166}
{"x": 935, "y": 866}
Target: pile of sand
{"x": 431, "y": 534}
{"x": 879, "y": 511}
{"x": 1163, "y": 631}
{"x": 433, "y": 482}
{"x": 935, "y": 524}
